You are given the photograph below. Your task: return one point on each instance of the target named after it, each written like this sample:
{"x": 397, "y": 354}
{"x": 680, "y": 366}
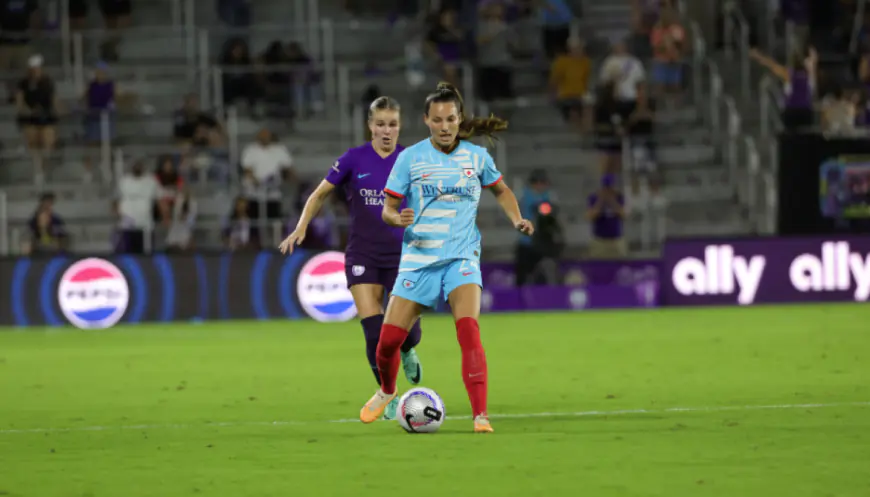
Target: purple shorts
{"x": 358, "y": 274}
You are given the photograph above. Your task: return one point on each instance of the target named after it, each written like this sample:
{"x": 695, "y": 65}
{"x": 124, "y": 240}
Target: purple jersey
{"x": 362, "y": 174}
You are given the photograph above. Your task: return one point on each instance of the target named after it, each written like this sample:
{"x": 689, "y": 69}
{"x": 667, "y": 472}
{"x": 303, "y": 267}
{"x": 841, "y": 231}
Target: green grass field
{"x": 777, "y": 403}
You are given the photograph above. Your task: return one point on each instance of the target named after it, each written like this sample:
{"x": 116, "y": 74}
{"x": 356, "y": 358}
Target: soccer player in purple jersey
{"x": 373, "y": 247}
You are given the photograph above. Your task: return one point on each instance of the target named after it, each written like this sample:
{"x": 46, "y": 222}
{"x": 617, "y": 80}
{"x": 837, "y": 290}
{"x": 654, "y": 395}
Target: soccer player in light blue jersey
{"x": 441, "y": 178}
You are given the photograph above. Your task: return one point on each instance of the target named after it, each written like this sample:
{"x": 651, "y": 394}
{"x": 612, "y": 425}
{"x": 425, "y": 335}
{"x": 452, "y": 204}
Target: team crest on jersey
{"x": 358, "y": 270}
{"x": 408, "y": 284}
{"x": 469, "y": 173}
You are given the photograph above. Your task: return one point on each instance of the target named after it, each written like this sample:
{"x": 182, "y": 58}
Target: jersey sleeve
{"x": 341, "y": 171}
{"x": 490, "y": 175}
{"x": 399, "y": 181}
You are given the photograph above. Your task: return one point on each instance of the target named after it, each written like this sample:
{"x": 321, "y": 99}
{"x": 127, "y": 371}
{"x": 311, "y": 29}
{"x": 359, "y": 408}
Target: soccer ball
{"x": 421, "y": 410}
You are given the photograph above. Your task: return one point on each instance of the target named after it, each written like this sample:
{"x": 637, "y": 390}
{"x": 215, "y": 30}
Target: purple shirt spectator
{"x": 796, "y": 11}
{"x": 608, "y": 224}
{"x": 362, "y": 174}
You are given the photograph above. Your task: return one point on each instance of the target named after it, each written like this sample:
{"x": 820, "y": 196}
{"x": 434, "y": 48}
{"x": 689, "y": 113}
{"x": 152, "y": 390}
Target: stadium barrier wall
{"x": 99, "y": 292}
{"x": 766, "y": 270}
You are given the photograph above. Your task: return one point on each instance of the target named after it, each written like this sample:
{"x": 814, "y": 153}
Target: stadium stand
{"x": 193, "y": 84}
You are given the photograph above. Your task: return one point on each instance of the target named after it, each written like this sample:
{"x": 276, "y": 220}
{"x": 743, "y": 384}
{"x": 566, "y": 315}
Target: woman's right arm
{"x": 314, "y": 204}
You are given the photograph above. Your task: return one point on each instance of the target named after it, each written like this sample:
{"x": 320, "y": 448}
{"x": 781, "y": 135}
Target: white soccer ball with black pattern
{"x": 421, "y": 410}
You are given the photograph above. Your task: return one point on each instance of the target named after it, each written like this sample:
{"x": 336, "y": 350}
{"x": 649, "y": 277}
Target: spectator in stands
{"x": 494, "y": 54}
{"x": 16, "y": 20}
{"x": 307, "y": 91}
{"x": 569, "y": 81}
{"x": 627, "y": 73}
{"x": 276, "y": 78}
{"x": 99, "y": 99}
{"x": 445, "y": 43}
{"x": 840, "y": 111}
{"x": 192, "y": 124}
{"x": 137, "y": 193}
{"x": 267, "y": 165}
{"x": 800, "y": 85}
{"x": 169, "y": 184}
{"x": 116, "y": 14}
{"x": 37, "y": 114}
{"x": 240, "y": 231}
{"x": 609, "y": 127}
{"x": 556, "y": 18}
{"x": 47, "y": 228}
{"x": 127, "y": 237}
{"x": 47, "y": 234}
{"x": 668, "y": 43}
{"x": 606, "y": 211}
{"x": 239, "y": 80}
{"x": 78, "y": 19}
{"x": 180, "y": 236}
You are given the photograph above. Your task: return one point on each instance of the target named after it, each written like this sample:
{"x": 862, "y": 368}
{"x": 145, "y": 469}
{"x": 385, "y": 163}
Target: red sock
{"x": 388, "y": 355}
{"x": 473, "y": 363}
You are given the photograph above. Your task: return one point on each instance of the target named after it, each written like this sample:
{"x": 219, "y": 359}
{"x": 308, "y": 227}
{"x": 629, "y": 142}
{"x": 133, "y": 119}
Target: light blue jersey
{"x": 444, "y": 191}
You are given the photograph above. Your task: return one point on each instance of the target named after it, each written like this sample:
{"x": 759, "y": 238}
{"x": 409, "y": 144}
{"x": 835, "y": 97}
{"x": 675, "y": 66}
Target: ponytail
{"x": 468, "y": 126}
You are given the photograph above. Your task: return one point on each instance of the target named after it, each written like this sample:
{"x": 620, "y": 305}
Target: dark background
{"x": 800, "y": 158}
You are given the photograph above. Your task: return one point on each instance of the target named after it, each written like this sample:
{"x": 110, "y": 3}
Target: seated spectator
{"x": 556, "y": 18}
{"x": 307, "y": 90}
{"x": 840, "y": 111}
{"x": 266, "y": 164}
{"x": 668, "y": 40}
{"x": 47, "y": 229}
{"x": 99, "y": 99}
{"x": 569, "y": 80}
{"x": 193, "y": 125}
{"x": 37, "y": 114}
{"x": 240, "y": 231}
{"x": 445, "y": 42}
{"x": 47, "y": 235}
{"x": 116, "y": 14}
{"x": 180, "y": 236}
{"x": 606, "y": 211}
{"x": 137, "y": 193}
{"x": 494, "y": 47}
{"x": 16, "y": 20}
{"x": 169, "y": 184}
{"x": 239, "y": 81}
{"x": 800, "y": 86}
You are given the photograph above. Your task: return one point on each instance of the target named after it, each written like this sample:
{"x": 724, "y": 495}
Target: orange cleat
{"x": 482, "y": 424}
{"x": 374, "y": 408}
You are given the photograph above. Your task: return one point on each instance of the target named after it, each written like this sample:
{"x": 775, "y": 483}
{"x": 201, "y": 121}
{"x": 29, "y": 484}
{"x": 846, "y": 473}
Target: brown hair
{"x": 383, "y": 103}
{"x": 468, "y": 126}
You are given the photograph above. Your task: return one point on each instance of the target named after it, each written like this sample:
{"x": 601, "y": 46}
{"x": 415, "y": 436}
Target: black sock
{"x": 372, "y": 330}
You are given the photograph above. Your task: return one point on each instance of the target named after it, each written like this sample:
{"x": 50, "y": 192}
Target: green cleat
{"x": 413, "y": 368}
{"x": 390, "y": 411}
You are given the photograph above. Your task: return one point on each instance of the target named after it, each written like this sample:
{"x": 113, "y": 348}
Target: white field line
{"x": 576, "y": 414}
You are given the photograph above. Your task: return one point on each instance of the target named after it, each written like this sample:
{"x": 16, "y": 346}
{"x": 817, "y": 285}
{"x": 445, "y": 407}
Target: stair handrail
{"x": 736, "y": 35}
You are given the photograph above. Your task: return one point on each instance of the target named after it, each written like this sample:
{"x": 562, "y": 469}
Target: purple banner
{"x": 766, "y": 270}
{"x": 577, "y": 273}
{"x": 567, "y": 298}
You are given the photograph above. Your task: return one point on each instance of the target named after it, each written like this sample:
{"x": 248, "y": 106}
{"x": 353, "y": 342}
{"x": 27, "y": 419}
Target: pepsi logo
{"x": 322, "y": 288}
{"x": 93, "y": 294}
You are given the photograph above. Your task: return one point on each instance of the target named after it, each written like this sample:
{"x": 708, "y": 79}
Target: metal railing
{"x": 4, "y": 223}
{"x": 857, "y": 25}
{"x": 736, "y": 39}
